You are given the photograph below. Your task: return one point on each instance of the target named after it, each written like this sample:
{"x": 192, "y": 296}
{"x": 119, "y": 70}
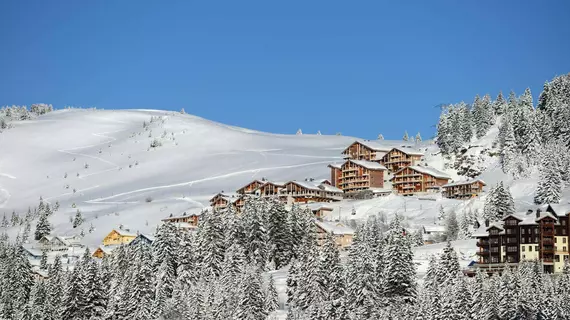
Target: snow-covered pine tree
{"x": 256, "y": 237}
{"x": 279, "y": 235}
{"x": 550, "y": 182}
{"x": 464, "y": 227}
{"x": 78, "y": 220}
{"x": 405, "y": 137}
{"x": 43, "y": 260}
{"x": 37, "y": 303}
{"x": 466, "y": 122}
{"x": 380, "y": 137}
{"x": 271, "y": 297}
{"x": 5, "y": 224}
{"x": 508, "y": 144}
{"x": 452, "y": 226}
{"x": 299, "y": 132}
{"x": 142, "y": 284}
{"x": 15, "y": 219}
{"x": 43, "y": 228}
{"x": 251, "y": 298}
{"x": 418, "y": 137}
{"x": 500, "y": 104}
{"x": 334, "y": 306}
{"x": 54, "y": 288}
{"x": 505, "y": 204}
{"x": 399, "y": 269}
{"x": 448, "y": 264}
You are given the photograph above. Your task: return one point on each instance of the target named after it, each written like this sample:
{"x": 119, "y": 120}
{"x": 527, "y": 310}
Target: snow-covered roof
{"x": 368, "y": 164}
{"x": 318, "y": 206}
{"x": 528, "y": 220}
{"x": 428, "y": 170}
{"x": 275, "y": 183}
{"x": 434, "y": 228}
{"x": 32, "y": 251}
{"x": 460, "y": 183}
{"x": 336, "y": 165}
{"x": 184, "y": 215}
{"x": 408, "y": 152}
{"x": 371, "y": 145}
{"x": 516, "y": 216}
{"x": 497, "y": 225}
{"x": 225, "y": 195}
{"x": 184, "y": 225}
{"x": 306, "y": 184}
{"x": 125, "y": 233}
{"x": 334, "y": 227}
{"x": 546, "y": 215}
{"x": 329, "y": 188}
{"x": 380, "y": 190}
{"x": 481, "y": 232}
{"x": 560, "y": 209}
{"x": 109, "y": 248}
{"x": 251, "y": 182}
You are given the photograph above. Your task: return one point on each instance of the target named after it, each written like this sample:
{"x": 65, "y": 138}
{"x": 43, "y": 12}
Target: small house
{"x": 118, "y": 236}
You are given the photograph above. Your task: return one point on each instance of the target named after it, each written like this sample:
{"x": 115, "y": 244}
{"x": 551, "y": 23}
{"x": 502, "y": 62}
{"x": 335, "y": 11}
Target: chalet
{"x": 223, "y": 200}
{"x": 336, "y": 174}
{"x": 145, "y": 239}
{"x": 59, "y": 243}
{"x": 542, "y": 235}
{"x": 342, "y": 234}
{"x": 319, "y": 209}
{"x": 251, "y": 187}
{"x": 309, "y": 191}
{"x": 102, "y": 251}
{"x": 432, "y": 233}
{"x": 398, "y": 158}
{"x": 463, "y": 189}
{"x": 269, "y": 189}
{"x": 118, "y": 236}
{"x": 31, "y": 253}
{"x": 365, "y": 150}
{"x": 358, "y": 175}
{"x": 190, "y": 218}
{"x": 418, "y": 179}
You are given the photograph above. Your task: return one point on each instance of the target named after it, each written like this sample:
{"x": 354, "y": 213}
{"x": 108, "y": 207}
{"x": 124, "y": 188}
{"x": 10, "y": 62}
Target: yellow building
{"x": 102, "y": 251}
{"x": 118, "y": 237}
{"x": 561, "y": 252}
{"x": 341, "y": 233}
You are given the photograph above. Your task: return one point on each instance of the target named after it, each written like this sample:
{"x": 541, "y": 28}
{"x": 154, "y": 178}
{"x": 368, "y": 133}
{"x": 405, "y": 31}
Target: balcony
{"x": 482, "y": 243}
{"x": 548, "y": 233}
{"x": 483, "y": 252}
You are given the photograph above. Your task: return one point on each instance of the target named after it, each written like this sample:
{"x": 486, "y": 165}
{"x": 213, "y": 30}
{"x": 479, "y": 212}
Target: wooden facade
{"x": 307, "y": 192}
{"x": 192, "y": 219}
{"x": 417, "y": 179}
{"x": 365, "y": 150}
{"x": 358, "y": 175}
{"x": 336, "y": 174}
{"x": 535, "y": 236}
{"x": 116, "y": 237}
{"x": 342, "y": 234}
{"x": 250, "y": 187}
{"x": 463, "y": 189}
{"x": 270, "y": 189}
{"x": 222, "y": 201}
{"x": 398, "y": 158}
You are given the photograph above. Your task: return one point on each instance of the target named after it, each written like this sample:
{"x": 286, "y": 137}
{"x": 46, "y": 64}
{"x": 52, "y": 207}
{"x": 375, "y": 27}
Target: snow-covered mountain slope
{"x": 102, "y": 162}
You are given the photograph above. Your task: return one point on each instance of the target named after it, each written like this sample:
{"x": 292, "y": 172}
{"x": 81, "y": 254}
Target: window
{"x": 563, "y": 221}
{"x": 522, "y": 248}
{"x": 510, "y": 231}
{"x": 564, "y": 240}
{"x": 511, "y": 222}
{"x": 535, "y": 239}
{"x": 557, "y": 257}
{"x": 511, "y": 249}
{"x": 495, "y": 249}
{"x": 522, "y": 231}
{"x": 536, "y": 248}
{"x": 564, "y": 249}
{"x": 524, "y": 257}
{"x": 494, "y": 259}
{"x": 529, "y": 248}
{"x": 523, "y": 239}
{"x": 564, "y": 231}
{"x": 494, "y": 232}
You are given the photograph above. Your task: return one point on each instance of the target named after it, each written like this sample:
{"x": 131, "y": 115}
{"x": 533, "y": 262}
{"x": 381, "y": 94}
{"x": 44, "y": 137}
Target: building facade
{"x": 398, "y": 158}
{"x": 336, "y": 174}
{"x": 365, "y": 150}
{"x": 418, "y": 179}
{"x": 358, "y": 175}
{"x": 117, "y": 237}
{"x": 463, "y": 189}
{"x": 540, "y": 235}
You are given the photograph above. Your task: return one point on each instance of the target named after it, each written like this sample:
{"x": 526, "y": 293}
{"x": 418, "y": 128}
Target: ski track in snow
{"x": 70, "y": 193}
{"x": 7, "y": 175}
{"x": 189, "y": 183}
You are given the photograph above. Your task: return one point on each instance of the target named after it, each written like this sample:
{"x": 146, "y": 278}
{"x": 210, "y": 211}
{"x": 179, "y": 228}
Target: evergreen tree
{"x": 5, "y": 223}
{"x": 550, "y": 182}
{"x": 280, "y": 236}
{"x": 500, "y": 104}
{"x": 256, "y": 237}
{"x": 271, "y": 297}
{"x": 251, "y": 297}
{"x": 418, "y": 137}
{"x": 452, "y": 227}
{"x": 380, "y": 137}
{"x": 406, "y": 137}
{"x": 43, "y": 228}
{"x": 78, "y": 220}
{"x": 43, "y": 261}
{"x": 508, "y": 145}
{"x": 15, "y": 219}
{"x": 399, "y": 269}
{"x": 505, "y": 205}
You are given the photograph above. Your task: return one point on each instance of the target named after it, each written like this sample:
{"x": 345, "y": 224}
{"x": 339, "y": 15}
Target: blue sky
{"x": 361, "y": 68}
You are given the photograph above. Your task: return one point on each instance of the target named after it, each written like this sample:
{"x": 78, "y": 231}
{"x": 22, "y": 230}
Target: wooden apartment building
{"x": 418, "y": 179}
{"x": 398, "y": 158}
{"x": 358, "y": 175}
{"x": 463, "y": 189}
{"x": 540, "y": 235}
{"x": 310, "y": 191}
{"x": 223, "y": 200}
{"x": 365, "y": 150}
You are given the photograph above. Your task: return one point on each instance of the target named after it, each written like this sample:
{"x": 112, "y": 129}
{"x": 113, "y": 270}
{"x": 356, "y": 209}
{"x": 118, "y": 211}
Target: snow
{"x": 460, "y": 183}
{"x": 334, "y": 227}
{"x": 368, "y": 164}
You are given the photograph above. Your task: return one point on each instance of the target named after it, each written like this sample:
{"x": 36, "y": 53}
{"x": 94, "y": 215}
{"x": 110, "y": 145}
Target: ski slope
{"x": 102, "y": 162}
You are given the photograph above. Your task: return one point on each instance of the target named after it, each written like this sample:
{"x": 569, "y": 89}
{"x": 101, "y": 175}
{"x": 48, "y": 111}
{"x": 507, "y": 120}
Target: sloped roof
{"x": 408, "y": 152}
{"x": 336, "y": 165}
{"x": 481, "y": 232}
{"x": 368, "y": 164}
{"x": 434, "y": 228}
{"x": 460, "y": 183}
{"x": 560, "y": 209}
{"x": 125, "y": 233}
{"x": 546, "y": 215}
{"x": 251, "y": 182}
{"x": 108, "y": 249}
{"x": 318, "y": 206}
{"x": 334, "y": 227}
{"x": 516, "y": 216}
{"x": 306, "y": 184}
{"x": 370, "y": 145}
{"x": 329, "y": 188}
{"x": 224, "y": 194}
{"x": 427, "y": 170}
{"x": 497, "y": 225}
{"x": 275, "y": 183}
